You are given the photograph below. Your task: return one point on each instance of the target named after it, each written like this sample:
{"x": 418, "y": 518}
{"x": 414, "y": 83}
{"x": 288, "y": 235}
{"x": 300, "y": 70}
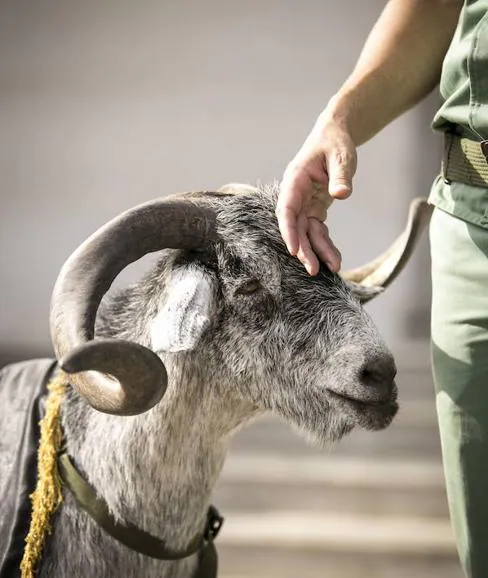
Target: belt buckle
{"x": 484, "y": 149}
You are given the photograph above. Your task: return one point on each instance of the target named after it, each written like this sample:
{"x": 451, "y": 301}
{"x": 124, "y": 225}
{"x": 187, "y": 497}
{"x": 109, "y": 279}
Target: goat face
{"x": 299, "y": 346}
{"x": 230, "y": 295}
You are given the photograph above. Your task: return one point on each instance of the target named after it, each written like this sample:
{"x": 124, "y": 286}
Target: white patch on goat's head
{"x": 187, "y": 312}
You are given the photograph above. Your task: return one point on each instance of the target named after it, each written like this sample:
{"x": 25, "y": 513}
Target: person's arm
{"x": 399, "y": 65}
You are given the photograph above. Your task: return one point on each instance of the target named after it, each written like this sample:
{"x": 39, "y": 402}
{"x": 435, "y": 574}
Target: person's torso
{"x": 464, "y": 80}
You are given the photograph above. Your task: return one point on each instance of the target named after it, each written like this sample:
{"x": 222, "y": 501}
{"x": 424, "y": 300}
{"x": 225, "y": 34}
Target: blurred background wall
{"x": 107, "y": 104}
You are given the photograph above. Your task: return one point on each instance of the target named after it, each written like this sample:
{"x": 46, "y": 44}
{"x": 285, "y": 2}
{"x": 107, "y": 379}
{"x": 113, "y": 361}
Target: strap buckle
{"x": 213, "y": 525}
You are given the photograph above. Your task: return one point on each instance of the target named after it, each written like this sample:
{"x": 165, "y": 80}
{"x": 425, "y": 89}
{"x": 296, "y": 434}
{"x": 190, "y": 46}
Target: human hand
{"x": 321, "y": 171}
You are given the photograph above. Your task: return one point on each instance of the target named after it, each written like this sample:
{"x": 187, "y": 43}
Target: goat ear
{"x": 187, "y": 311}
{"x": 363, "y": 292}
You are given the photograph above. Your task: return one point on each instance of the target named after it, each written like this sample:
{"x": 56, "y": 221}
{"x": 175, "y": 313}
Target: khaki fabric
{"x": 460, "y": 365}
{"x": 464, "y": 80}
{"x": 459, "y": 248}
{"x": 464, "y": 108}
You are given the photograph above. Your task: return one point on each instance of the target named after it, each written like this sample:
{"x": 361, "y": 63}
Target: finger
{"x": 318, "y": 206}
{"x": 341, "y": 167}
{"x": 323, "y": 245}
{"x": 287, "y": 223}
{"x": 290, "y": 201}
{"x": 305, "y": 252}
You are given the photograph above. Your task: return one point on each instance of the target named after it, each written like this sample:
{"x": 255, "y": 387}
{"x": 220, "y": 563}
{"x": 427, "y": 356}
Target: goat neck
{"x": 157, "y": 470}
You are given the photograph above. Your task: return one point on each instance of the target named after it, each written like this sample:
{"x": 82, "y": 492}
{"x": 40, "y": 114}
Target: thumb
{"x": 341, "y": 169}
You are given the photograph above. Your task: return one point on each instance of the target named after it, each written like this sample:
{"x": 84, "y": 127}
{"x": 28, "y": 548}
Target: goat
{"x": 225, "y": 328}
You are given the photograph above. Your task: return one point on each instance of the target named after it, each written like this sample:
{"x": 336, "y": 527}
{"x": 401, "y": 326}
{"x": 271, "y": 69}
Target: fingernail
{"x": 312, "y": 271}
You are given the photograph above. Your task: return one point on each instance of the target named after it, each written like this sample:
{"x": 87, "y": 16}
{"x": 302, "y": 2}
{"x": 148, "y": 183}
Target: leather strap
{"x": 132, "y": 536}
{"x": 465, "y": 160}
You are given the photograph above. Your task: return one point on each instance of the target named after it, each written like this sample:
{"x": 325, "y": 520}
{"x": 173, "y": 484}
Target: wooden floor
{"x": 372, "y": 507}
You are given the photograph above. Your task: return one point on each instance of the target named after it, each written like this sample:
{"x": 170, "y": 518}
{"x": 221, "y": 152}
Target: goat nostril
{"x": 370, "y": 376}
{"x": 377, "y": 373}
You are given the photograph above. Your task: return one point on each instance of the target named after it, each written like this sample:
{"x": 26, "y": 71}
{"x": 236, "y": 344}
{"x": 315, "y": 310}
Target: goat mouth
{"x": 372, "y": 414}
{"x": 363, "y": 401}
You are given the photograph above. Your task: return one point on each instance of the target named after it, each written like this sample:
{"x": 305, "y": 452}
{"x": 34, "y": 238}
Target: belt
{"x": 465, "y": 160}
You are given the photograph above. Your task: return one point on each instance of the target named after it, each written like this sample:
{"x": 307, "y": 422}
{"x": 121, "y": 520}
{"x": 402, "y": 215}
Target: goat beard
{"x": 322, "y": 430}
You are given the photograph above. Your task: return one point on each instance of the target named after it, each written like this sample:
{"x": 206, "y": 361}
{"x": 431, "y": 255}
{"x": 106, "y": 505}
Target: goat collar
{"x": 132, "y": 536}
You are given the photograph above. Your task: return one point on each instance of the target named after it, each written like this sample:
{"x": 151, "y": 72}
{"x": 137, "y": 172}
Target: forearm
{"x": 399, "y": 65}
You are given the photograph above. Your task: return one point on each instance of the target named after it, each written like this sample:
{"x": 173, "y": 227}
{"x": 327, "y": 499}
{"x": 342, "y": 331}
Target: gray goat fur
{"x": 243, "y": 331}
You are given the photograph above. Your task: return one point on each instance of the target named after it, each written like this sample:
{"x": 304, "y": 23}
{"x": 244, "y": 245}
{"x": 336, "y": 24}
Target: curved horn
{"x": 384, "y": 269}
{"x": 116, "y": 376}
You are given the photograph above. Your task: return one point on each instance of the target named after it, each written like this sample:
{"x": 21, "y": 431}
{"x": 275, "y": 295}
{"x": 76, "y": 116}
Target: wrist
{"x": 340, "y": 112}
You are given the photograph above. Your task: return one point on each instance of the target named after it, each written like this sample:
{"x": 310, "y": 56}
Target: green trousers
{"x": 460, "y": 365}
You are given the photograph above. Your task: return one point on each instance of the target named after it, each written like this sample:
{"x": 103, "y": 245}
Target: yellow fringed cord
{"x": 48, "y": 495}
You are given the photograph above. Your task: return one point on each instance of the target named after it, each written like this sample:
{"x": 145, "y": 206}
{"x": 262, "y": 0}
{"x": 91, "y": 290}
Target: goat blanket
{"x": 23, "y": 392}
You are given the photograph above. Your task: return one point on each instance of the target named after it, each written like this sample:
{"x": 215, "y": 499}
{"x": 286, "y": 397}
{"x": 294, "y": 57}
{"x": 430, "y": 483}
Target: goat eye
{"x": 249, "y": 287}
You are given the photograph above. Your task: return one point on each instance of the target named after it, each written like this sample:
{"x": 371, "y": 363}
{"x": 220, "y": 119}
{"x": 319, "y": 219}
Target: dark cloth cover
{"x": 22, "y": 398}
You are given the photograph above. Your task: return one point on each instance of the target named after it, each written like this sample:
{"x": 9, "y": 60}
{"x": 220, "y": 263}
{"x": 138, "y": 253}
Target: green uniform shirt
{"x": 464, "y": 105}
